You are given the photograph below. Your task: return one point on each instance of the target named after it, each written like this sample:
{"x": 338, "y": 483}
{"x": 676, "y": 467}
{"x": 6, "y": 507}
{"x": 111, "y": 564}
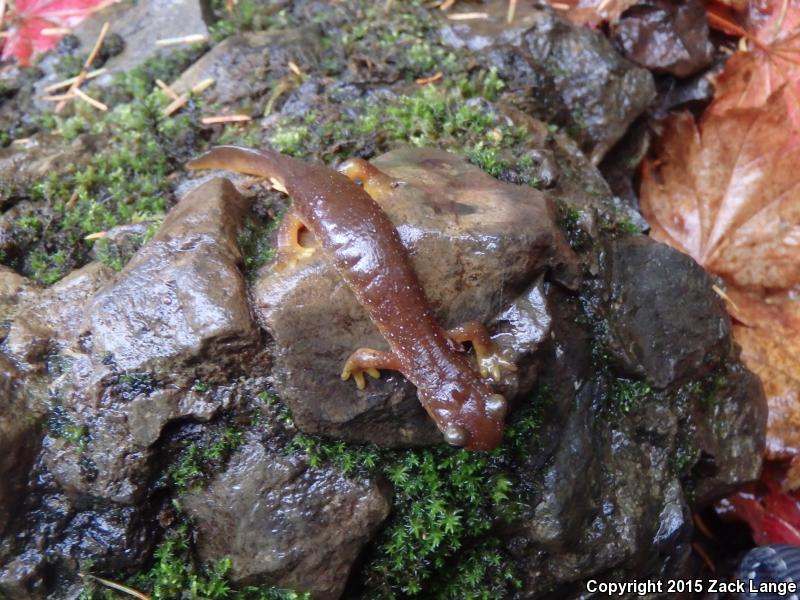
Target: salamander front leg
{"x": 491, "y": 361}
{"x": 376, "y": 183}
{"x": 369, "y": 361}
{"x": 290, "y": 250}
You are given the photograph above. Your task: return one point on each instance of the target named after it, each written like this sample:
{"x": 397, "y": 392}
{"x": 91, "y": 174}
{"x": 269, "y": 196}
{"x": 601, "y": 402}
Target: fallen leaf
{"x": 27, "y": 33}
{"x": 592, "y": 12}
{"x": 772, "y": 61}
{"x": 768, "y": 330}
{"x": 726, "y": 194}
{"x": 772, "y": 513}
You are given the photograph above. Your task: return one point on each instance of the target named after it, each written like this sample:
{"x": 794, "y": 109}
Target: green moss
{"x": 446, "y": 503}
{"x": 628, "y": 395}
{"x": 63, "y": 426}
{"x": 199, "y": 459}
{"x": 125, "y": 183}
{"x": 175, "y": 573}
{"x": 201, "y": 387}
{"x": 290, "y": 140}
{"x": 570, "y": 221}
{"x": 255, "y": 242}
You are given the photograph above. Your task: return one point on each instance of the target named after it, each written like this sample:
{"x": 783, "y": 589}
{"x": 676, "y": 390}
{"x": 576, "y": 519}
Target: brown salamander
{"x": 366, "y": 250}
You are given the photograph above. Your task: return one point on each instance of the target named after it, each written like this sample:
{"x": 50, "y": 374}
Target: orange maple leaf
{"x": 726, "y": 194}
{"x": 772, "y": 61}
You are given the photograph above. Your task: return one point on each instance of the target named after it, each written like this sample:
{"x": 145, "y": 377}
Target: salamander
{"x": 365, "y": 248}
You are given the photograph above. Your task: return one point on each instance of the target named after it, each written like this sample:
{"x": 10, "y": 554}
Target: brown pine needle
{"x": 176, "y": 105}
{"x": 603, "y": 6}
{"x": 181, "y": 100}
{"x": 117, "y": 586}
{"x": 296, "y": 70}
{"x": 58, "y": 97}
{"x": 225, "y": 119}
{"x": 96, "y": 236}
{"x": 186, "y": 39}
{"x": 73, "y": 200}
{"x": 431, "y": 79}
{"x": 85, "y": 70}
{"x": 89, "y": 100}
{"x": 278, "y": 185}
{"x": 700, "y": 551}
{"x": 55, "y": 31}
{"x": 167, "y": 90}
{"x": 203, "y": 85}
{"x": 721, "y": 293}
{"x": 2, "y": 10}
{"x": 560, "y": 5}
{"x": 468, "y": 16}
{"x": 446, "y": 4}
{"x": 512, "y": 10}
{"x": 67, "y": 82}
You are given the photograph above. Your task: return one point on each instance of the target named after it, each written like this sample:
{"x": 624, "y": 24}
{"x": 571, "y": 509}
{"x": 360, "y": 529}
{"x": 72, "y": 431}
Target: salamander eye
{"x": 455, "y": 435}
{"x": 496, "y": 406}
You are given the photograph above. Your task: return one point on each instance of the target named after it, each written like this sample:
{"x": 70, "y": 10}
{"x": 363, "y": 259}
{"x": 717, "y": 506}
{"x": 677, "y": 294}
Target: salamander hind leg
{"x": 369, "y": 361}
{"x": 290, "y": 250}
{"x": 491, "y": 361}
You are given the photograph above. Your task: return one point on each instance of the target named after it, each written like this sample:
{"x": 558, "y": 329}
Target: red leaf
{"x": 25, "y": 37}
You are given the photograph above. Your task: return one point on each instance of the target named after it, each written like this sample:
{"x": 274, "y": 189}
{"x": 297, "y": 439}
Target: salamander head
{"x": 477, "y": 421}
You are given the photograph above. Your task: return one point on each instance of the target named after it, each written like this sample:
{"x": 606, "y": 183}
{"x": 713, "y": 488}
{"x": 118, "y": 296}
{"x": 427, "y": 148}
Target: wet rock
{"x": 562, "y": 74}
{"x": 613, "y": 478}
{"x": 19, "y": 441}
{"x": 247, "y": 64}
{"x": 666, "y": 36}
{"x": 41, "y": 155}
{"x": 476, "y": 244}
{"x": 284, "y": 523}
{"x": 182, "y": 299}
{"x": 54, "y": 537}
{"x": 140, "y": 25}
{"x": 52, "y": 318}
{"x": 14, "y": 289}
{"x": 177, "y": 313}
{"x": 664, "y": 333}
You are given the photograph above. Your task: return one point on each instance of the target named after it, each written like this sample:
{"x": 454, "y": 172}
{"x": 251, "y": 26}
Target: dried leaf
{"x": 768, "y": 330}
{"x": 26, "y": 35}
{"x": 725, "y": 193}
{"x": 771, "y": 62}
{"x": 592, "y": 12}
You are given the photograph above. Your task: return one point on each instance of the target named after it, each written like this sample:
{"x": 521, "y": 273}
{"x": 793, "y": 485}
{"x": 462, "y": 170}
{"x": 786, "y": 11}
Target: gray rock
{"x": 52, "y": 318}
{"x": 246, "y": 64}
{"x": 285, "y": 523}
{"x": 14, "y": 290}
{"x": 43, "y": 154}
{"x": 665, "y": 330}
{"x": 666, "y": 36}
{"x": 178, "y": 312}
{"x": 19, "y": 441}
{"x": 140, "y": 24}
{"x": 476, "y": 245}
{"x": 561, "y": 73}
{"x": 182, "y": 299}
{"x": 612, "y": 486}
